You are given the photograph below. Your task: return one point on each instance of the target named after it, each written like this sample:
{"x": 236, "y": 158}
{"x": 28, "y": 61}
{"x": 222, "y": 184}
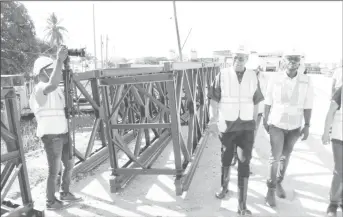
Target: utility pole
{"x": 106, "y": 50}
{"x": 94, "y": 39}
{"x": 101, "y": 45}
{"x": 177, "y": 33}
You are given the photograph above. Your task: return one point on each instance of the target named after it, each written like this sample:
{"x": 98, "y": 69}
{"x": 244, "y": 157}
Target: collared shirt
{"x": 238, "y": 125}
{"x": 289, "y": 85}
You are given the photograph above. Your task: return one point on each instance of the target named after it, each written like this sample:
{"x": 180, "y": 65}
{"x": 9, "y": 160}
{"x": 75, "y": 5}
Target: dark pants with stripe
{"x": 243, "y": 140}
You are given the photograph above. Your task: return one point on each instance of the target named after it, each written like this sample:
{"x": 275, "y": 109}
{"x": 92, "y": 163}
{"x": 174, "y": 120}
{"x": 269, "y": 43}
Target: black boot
{"x": 280, "y": 192}
{"x": 332, "y": 210}
{"x": 270, "y": 197}
{"x": 225, "y": 179}
{"x": 242, "y": 196}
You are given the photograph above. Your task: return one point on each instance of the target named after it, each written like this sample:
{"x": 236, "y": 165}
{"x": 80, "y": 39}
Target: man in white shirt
{"x": 288, "y": 100}
{"x": 48, "y": 105}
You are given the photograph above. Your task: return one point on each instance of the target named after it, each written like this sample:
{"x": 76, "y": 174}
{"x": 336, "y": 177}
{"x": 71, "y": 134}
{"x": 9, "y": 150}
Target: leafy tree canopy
{"x": 18, "y": 43}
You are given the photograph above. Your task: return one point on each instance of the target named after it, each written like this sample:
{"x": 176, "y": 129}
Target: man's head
{"x": 43, "y": 68}
{"x": 240, "y": 58}
{"x": 292, "y": 60}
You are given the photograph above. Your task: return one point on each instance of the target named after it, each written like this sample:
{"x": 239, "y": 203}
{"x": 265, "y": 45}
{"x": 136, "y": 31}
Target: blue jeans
{"x": 336, "y": 190}
{"x": 282, "y": 143}
{"x": 56, "y": 147}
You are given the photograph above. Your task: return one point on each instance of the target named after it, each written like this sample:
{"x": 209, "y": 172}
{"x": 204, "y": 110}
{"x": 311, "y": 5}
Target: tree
{"x": 44, "y": 47}
{"x": 54, "y": 31}
{"x": 18, "y": 43}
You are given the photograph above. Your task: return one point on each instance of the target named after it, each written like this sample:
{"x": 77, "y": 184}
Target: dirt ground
{"x": 307, "y": 182}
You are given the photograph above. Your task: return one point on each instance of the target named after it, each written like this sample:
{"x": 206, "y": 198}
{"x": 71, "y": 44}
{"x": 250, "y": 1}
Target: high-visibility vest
{"x": 51, "y": 116}
{"x": 337, "y": 124}
{"x": 237, "y": 98}
{"x": 285, "y": 110}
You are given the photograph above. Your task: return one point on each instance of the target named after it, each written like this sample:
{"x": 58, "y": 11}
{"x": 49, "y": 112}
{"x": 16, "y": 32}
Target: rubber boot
{"x": 332, "y": 210}
{"x": 225, "y": 179}
{"x": 270, "y": 197}
{"x": 242, "y": 197}
{"x": 280, "y": 192}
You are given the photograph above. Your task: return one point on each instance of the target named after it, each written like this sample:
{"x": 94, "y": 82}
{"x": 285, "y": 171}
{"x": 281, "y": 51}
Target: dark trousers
{"x": 56, "y": 147}
{"x": 282, "y": 143}
{"x": 336, "y": 190}
{"x": 244, "y": 141}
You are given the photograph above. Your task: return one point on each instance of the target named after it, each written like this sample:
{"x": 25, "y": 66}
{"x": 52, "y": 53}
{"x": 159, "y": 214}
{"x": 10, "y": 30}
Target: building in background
{"x": 313, "y": 68}
{"x": 270, "y": 61}
{"x": 224, "y": 57}
{"x": 193, "y": 55}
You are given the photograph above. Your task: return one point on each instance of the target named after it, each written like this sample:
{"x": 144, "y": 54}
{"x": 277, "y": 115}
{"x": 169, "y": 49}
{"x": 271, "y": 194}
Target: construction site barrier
{"x": 13, "y": 160}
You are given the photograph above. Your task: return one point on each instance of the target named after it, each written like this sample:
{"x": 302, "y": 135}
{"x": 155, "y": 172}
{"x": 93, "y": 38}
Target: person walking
{"x": 235, "y": 96}
{"x": 288, "y": 100}
{"x": 334, "y": 119}
{"x": 48, "y": 105}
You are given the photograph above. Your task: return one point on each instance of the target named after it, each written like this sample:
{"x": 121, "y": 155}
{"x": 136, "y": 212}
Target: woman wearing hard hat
{"x": 47, "y": 103}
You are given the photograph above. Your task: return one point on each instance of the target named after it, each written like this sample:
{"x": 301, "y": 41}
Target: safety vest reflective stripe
{"x": 50, "y": 112}
{"x": 235, "y": 100}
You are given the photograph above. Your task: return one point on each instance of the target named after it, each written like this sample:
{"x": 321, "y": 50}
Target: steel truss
{"x": 14, "y": 160}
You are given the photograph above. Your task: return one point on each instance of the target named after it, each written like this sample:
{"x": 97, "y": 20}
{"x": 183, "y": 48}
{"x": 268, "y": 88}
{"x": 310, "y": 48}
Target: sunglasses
{"x": 294, "y": 59}
{"x": 240, "y": 58}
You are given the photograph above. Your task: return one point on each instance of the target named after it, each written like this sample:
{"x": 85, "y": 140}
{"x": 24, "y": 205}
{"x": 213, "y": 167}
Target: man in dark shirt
{"x": 239, "y": 133}
{"x": 334, "y": 119}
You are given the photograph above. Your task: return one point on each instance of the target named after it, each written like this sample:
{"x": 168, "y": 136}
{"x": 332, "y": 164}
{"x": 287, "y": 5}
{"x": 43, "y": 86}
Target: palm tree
{"x": 55, "y": 31}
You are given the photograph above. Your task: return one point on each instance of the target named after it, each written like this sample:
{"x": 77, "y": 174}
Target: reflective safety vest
{"x": 51, "y": 116}
{"x": 337, "y": 124}
{"x": 287, "y": 111}
{"x": 237, "y": 98}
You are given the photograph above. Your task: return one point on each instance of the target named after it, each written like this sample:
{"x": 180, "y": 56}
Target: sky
{"x": 137, "y": 29}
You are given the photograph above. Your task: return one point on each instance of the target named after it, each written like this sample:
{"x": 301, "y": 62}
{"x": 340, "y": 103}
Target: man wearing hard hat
{"x": 235, "y": 96}
{"x": 47, "y": 103}
{"x": 288, "y": 100}
{"x": 334, "y": 119}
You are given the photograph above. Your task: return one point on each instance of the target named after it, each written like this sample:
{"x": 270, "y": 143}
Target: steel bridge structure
{"x": 138, "y": 113}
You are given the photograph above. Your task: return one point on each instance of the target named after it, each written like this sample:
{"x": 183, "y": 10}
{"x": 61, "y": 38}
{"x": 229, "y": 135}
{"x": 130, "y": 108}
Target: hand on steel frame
{"x": 305, "y": 131}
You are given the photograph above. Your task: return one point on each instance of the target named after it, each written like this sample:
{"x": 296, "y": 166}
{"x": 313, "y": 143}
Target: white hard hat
{"x": 241, "y": 50}
{"x": 42, "y": 62}
{"x": 293, "y": 53}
